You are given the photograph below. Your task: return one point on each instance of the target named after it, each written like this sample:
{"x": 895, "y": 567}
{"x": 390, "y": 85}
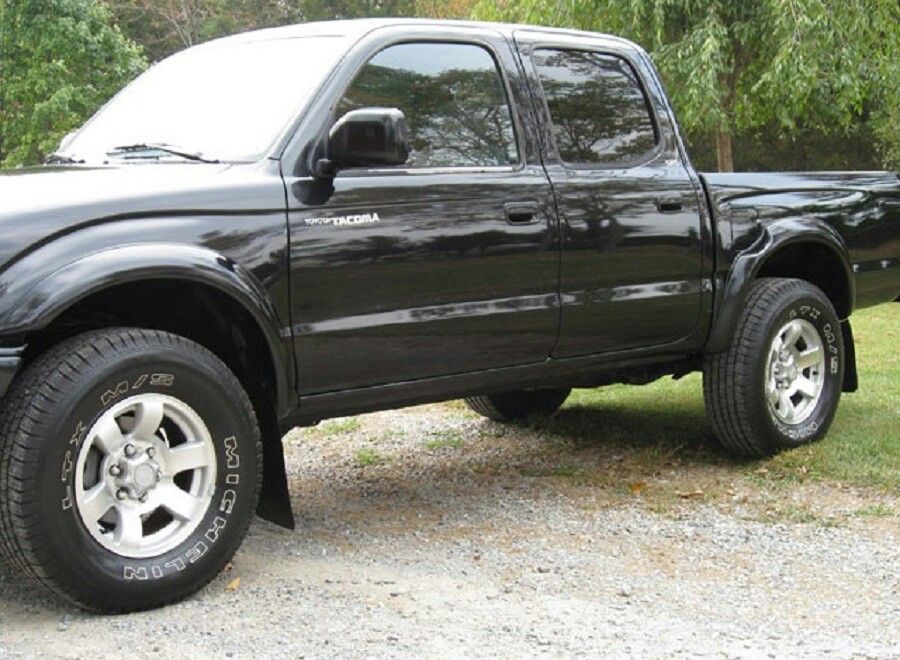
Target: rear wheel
{"x": 519, "y": 404}
{"x": 778, "y": 384}
{"x": 129, "y": 469}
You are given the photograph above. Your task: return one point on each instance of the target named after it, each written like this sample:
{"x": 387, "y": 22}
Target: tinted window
{"x": 453, "y": 98}
{"x": 599, "y": 111}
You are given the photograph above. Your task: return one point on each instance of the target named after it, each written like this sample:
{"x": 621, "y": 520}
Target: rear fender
{"x": 733, "y": 283}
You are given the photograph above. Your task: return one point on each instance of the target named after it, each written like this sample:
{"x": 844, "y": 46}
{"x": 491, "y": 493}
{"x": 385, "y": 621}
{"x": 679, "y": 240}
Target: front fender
{"x": 33, "y": 299}
{"x": 753, "y": 249}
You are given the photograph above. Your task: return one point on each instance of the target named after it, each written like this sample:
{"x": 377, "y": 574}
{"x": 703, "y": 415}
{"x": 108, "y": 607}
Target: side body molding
{"x": 33, "y": 299}
{"x": 752, "y": 245}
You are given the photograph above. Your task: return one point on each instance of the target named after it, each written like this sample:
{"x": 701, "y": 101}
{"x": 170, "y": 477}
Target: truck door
{"x": 447, "y": 264}
{"x": 632, "y": 260}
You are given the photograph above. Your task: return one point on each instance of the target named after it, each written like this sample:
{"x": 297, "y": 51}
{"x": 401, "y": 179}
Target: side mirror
{"x": 366, "y": 137}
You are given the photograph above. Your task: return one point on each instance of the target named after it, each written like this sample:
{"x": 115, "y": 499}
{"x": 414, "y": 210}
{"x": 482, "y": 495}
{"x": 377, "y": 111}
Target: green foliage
{"x": 886, "y": 126}
{"x": 447, "y": 439}
{"x": 163, "y": 27}
{"x": 341, "y": 426}
{"x": 370, "y": 458}
{"x": 769, "y": 72}
{"x": 59, "y": 61}
{"x": 652, "y": 425}
{"x": 732, "y": 66}
{"x": 320, "y": 10}
{"x": 763, "y": 150}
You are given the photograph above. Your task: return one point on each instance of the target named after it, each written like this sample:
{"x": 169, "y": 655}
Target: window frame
{"x": 623, "y": 164}
{"x": 400, "y": 170}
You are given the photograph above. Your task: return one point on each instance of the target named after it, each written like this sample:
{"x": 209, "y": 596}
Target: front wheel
{"x": 129, "y": 469}
{"x": 778, "y": 384}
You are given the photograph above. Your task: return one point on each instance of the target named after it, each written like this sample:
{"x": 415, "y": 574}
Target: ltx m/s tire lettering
{"x": 157, "y": 482}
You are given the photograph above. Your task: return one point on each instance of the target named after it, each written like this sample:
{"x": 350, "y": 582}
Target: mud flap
{"x": 274, "y": 497}
{"x": 851, "y": 382}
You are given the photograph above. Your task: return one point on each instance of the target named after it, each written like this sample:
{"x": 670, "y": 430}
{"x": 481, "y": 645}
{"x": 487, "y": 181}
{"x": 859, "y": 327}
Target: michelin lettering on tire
{"x": 229, "y": 483}
{"x": 93, "y": 513}
{"x": 809, "y": 428}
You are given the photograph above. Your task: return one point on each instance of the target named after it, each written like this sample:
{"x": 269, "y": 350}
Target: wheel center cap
{"x": 135, "y": 473}
{"x": 145, "y": 477}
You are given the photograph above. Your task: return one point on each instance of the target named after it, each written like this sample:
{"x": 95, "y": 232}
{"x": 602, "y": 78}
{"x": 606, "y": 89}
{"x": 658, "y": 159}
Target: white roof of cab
{"x": 357, "y": 28}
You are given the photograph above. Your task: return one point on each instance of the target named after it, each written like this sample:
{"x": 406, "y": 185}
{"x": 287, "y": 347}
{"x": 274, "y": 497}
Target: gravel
{"x": 443, "y": 547}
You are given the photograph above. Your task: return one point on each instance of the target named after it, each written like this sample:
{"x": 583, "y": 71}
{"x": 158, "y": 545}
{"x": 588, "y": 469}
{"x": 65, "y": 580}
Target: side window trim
{"x": 645, "y": 158}
{"x": 517, "y": 128}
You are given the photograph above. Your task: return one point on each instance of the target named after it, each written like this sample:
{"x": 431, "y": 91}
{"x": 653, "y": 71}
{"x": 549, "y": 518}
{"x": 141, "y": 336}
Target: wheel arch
{"x": 190, "y": 291}
{"x": 802, "y": 248}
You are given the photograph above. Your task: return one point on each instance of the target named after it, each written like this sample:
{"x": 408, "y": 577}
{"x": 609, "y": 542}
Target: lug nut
{"x": 151, "y": 452}
{"x": 115, "y": 470}
{"x": 121, "y": 494}
{"x": 130, "y": 450}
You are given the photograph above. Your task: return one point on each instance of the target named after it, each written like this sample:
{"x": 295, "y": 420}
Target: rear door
{"x": 448, "y": 264}
{"x": 632, "y": 259}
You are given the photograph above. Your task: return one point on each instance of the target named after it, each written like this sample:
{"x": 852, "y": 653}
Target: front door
{"x": 445, "y": 265}
{"x": 632, "y": 260}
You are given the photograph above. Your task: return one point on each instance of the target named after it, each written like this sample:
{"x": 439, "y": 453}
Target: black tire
{"x": 734, "y": 382}
{"x": 44, "y": 421}
{"x": 519, "y": 404}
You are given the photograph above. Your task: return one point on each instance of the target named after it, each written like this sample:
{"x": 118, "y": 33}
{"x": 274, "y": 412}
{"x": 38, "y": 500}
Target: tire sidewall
{"x": 197, "y": 379}
{"x": 815, "y": 309}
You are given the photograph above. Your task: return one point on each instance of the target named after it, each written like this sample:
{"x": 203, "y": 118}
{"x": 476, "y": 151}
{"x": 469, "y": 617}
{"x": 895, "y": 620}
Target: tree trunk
{"x": 724, "y": 157}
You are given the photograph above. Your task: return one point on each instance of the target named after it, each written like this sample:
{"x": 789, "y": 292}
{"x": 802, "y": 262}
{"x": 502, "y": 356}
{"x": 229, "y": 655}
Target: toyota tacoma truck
{"x": 326, "y": 219}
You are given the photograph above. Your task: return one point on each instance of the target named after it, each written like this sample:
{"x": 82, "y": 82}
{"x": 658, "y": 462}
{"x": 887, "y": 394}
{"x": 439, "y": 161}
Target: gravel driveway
{"x": 428, "y": 532}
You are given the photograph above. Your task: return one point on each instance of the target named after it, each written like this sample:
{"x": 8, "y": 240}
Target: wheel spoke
{"x": 772, "y": 393}
{"x": 805, "y": 386}
{"x": 138, "y": 510}
{"x": 129, "y": 528}
{"x": 188, "y": 456}
{"x": 785, "y": 406}
{"x": 792, "y": 334}
{"x": 179, "y": 503}
{"x": 777, "y": 345}
{"x": 147, "y": 417}
{"x": 810, "y": 357}
{"x": 107, "y": 435}
{"x": 96, "y": 502}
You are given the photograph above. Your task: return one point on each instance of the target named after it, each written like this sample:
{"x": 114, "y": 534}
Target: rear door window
{"x": 598, "y": 108}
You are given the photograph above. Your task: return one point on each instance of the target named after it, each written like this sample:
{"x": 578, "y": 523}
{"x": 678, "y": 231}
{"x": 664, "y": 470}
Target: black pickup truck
{"x": 283, "y": 226}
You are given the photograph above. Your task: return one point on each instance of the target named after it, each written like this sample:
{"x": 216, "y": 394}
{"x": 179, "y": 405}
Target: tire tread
{"x": 510, "y": 406}
{"x": 34, "y": 394}
{"x": 727, "y": 375}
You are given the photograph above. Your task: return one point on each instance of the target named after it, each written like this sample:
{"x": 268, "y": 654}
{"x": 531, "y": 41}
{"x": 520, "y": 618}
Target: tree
{"x": 323, "y": 10}
{"x": 444, "y": 8}
{"x": 735, "y": 65}
{"x": 59, "y": 61}
{"x": 163, "y": 27}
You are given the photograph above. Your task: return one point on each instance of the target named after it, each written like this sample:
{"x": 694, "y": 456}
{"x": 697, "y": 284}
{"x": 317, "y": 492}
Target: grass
{"x": 659, "y": 431}
{"x": 339, "y": 426}
{"x": 370, "y": 458}
{"x": 448, "y": 439}
{"x": 878, "y": 510}
{"x": 863, "y": 446}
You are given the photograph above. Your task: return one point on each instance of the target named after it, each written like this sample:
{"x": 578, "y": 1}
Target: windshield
{"x": 225, "y": 101}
